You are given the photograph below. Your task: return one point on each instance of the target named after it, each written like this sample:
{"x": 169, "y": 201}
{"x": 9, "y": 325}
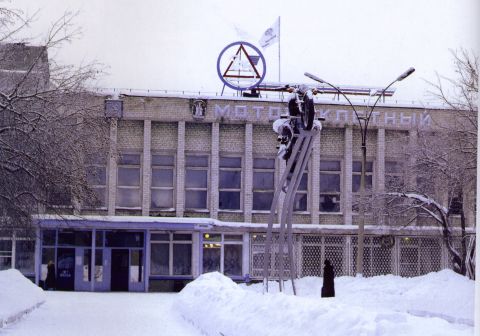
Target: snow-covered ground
{"x": 18, "y": 295}
{"x": 101, "y": 314}
{"x": 435, "y": 304}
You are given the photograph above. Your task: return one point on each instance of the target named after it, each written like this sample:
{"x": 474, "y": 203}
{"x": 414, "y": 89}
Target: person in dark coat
{"x": 50, "y": 279}
{"x": 328, "y": 289}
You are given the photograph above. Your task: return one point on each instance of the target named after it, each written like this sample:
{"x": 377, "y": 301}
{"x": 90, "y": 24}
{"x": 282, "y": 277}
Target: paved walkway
{"x": 119, "y": 314}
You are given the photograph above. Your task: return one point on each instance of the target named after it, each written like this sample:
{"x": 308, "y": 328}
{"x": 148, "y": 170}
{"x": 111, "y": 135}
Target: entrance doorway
{"x": 120, "y": 267}
{"x": 66, "y": 269}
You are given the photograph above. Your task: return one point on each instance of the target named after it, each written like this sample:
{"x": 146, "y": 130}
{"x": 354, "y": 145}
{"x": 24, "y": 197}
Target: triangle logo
{"x": 242, "y": 66}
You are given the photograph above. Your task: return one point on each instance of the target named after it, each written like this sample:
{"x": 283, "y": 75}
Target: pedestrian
{"x": 328, "y": 289}
{"x": 50, "y": 280}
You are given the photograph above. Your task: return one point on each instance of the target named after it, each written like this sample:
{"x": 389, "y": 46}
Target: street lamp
{"x": 363, "y": 122}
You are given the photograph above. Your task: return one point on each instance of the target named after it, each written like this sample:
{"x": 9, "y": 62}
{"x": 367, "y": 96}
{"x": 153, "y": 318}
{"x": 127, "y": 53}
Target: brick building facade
{"x": 186, "y": 186}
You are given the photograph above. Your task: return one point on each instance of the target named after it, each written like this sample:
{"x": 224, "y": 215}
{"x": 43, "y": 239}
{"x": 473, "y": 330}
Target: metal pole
{"x": 361, "y": 224}
{"x": 279, "y": 37}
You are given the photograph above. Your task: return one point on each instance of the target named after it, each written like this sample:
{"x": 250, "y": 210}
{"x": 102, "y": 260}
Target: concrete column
{"x": 214, "y": 170}
{"x": 380, "y": 168}
{"x": 380, "y": 164}
{"x": 14, "y": 249}
{"x": 248, "y": 174}
{"x": 347, "y": 177}
{"x": 38, "y": 256}
{"x": 92, "y": 261}
{"x": 180, "y": 186}
{"x": 147, "y": 166}
{"x": 147, "y": 257}
{"x": 112, "y": 167}
{"x": 411, "y": 176}
{"x": 314, "y": 173}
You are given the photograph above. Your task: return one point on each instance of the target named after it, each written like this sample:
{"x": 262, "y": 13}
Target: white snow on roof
{"x": 222, "y": 224}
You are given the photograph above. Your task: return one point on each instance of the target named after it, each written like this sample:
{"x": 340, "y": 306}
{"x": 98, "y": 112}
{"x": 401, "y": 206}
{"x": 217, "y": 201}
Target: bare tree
{"x": 49, "y": 123}
{"x": 444, "y": 167}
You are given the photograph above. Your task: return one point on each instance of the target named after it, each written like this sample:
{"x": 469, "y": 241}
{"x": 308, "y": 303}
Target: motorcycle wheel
{"x": 308, "y": 113}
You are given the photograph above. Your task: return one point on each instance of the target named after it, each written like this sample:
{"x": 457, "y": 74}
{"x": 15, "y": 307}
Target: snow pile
{"x": 363, "y": 306}
{"x": 444, "y": 294}
{"x": 18, "y": 296}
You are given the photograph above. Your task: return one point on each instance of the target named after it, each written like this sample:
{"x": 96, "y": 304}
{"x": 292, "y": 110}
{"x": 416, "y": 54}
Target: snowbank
{"x": 386, "y": 305}
{"x": 18, "y": 296}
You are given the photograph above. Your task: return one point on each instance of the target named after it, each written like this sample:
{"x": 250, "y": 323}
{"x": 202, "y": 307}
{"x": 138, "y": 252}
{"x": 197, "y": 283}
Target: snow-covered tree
{"x": 49, "y": 122}
{"x": 439, "y": 184}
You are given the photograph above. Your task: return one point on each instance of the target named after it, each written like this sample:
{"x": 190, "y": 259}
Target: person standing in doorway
{"x": 328, "y": 289}
{"x": 50, "y": 280}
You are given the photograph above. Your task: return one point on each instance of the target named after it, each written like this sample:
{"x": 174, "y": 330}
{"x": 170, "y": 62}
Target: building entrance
{"x": 66, "y": 269}
{"x": 120, "y": 270}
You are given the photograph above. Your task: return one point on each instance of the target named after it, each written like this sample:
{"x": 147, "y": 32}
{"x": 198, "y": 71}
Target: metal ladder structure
{"x": 289, "y": 183}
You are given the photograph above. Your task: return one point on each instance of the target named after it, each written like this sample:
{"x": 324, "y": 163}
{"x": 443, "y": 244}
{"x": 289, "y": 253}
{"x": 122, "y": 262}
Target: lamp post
{"x": 363, "y": 122}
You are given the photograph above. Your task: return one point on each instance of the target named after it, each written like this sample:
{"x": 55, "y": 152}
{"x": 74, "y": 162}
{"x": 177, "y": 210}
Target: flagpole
{"x": 279, "y": 38}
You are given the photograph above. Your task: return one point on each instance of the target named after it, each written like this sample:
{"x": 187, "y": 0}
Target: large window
{"x": 223, "y": 253}
{"x": 196, "y": 182}
{"x": 263, "y": 183}
{"x": 357, "y": 172}
{"x": 356, "y": 177}
{"x": 230, "y": 183}
{"x": 129, "y": 181}
{"x": 330, "y": 182}
{"x": 301, "y": 197}
{"x": 171, "y": 254}
{"x": 162, "y": 187}
{"x": 394, "y": 178}
{"x": 25, "y": 256}
{"x": 96, "y": 171}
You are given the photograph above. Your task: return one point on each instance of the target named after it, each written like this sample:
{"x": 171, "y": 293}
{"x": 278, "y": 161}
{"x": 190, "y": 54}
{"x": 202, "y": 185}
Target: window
{"x": 25, "y": 256}
{"x": 5, "y": 254}
{"x": 301, "y": 197}
{"x": 330, "y": 182}
{"x": 171, "y": 254}
{"x": 96, "y": 173}
{"x": 162, "y": 186}
{"x": 394, "y": 178}
{"x": 357, "y": 172}
{"x": 230, "y": 183}
{"x": 196, "y": 182}
{"x": 129, "y": 181}
{"x": 59, "y": 196}
{"x": 223, "y": 253}
{"x": 263, "y": 183}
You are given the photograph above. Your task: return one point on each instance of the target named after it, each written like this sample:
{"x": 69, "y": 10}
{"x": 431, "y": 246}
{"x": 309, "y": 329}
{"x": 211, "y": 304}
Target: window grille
{"x": 377, "y": 258}
{"x": 317, "y": 249}
{"x": 257, "y": 251}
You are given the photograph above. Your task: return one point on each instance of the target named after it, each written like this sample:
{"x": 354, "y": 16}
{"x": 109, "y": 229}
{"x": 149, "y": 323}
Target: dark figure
{"x": 50, "y": 279}
{"x": 328, "y": 289}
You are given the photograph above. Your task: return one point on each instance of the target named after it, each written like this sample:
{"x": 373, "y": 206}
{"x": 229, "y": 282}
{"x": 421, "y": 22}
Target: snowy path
{"x": 70, "y": 313}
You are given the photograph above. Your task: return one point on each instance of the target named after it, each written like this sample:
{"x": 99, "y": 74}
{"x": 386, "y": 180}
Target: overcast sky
{"x": 174, "y": 44}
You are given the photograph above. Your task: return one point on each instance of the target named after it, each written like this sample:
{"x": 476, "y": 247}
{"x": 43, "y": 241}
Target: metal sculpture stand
{"x": 298, "y": 161}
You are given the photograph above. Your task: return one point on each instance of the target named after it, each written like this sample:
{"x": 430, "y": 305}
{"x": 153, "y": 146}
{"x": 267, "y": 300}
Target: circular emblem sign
{"x": 241, "y": 66}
